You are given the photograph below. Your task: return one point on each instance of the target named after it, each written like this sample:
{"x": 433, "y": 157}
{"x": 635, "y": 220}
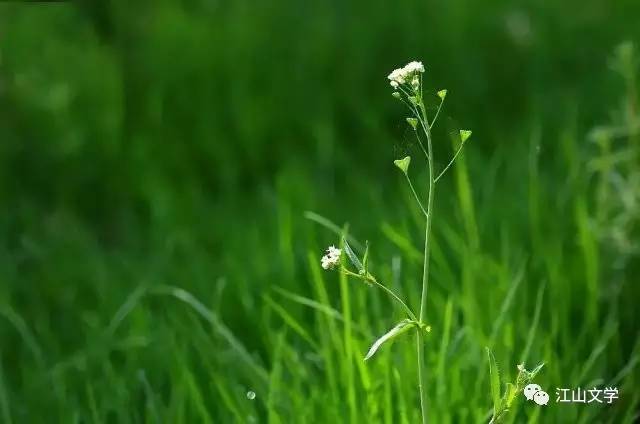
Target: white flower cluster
{"x": 332, "y": 258}
{"x": 407, "y": 74}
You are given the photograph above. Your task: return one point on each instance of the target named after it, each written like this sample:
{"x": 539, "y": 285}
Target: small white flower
{"x": 397, "y": 75}
{"x": 332, "y": 258}
{"x": 409, "y": 71}
{"x": 413, "y": 67}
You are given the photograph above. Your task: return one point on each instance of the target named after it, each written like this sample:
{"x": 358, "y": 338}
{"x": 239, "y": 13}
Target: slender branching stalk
{"x": 425, "y": 269}
{"x": 407, "y": 85}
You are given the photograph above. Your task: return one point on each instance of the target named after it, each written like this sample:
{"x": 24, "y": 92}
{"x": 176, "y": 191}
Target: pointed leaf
{"x": 536, "y": 370}
{"x": 352, "y": 256}
{"x": 495, "y": 381}
{"x": 365, "y": 259}
{"x": 400, "y": 328}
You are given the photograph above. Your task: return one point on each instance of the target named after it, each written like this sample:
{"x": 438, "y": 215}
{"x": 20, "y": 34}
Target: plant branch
{"x": 416, "y": 113}
{"x": 425, "y": 271}
{"x": 450, "y": 163}
{"x": 371, "y": 279}
{"x": 421, "y": 145}
{"x": 413, "y": 190}
{"x": 436, "y": 115}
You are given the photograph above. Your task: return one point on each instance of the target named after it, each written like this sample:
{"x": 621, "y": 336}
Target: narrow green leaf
{"x": 290, "y": 321}
{"x": 495, "y": 381}
{"x": 352, "y": 256}
{"x": 331, "y": 226}
{"x": 509, "y": 395}
{"x": 365, "y": 259}
{"x": 536, "y": 370}
{"x": 400, "y": 328}
{"x": 402, "y": 241}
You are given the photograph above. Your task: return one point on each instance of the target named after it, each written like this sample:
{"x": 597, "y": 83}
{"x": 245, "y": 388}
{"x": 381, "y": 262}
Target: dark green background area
{"x": 153, "y": 144}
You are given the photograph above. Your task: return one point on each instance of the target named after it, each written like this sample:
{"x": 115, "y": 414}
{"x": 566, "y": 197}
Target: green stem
{"x": 413, "y": 190}
{"x": 450, "y": 163}
{"x": 416, "y": 112}
{"x": 437, "y": 113}
{"x": 371, "y": 279}
{"x": 395, "y": 296}
{"x": 421, "y": 114}
{"x": 422, "y": 376}
{"x": 425, "y": 270}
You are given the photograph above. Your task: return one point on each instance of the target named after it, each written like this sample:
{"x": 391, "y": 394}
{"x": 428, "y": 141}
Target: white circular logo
{"x": 535, "y": 393}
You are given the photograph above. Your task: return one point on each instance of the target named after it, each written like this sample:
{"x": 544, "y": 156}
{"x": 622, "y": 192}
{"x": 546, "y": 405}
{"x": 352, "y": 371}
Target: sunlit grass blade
{"x": 212, "y": 318}
{"x": 328, "y": 224}
{"x": 291, "y": 321}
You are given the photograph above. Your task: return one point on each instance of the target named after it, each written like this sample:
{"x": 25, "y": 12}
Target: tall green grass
{"x": 156, "y": 163}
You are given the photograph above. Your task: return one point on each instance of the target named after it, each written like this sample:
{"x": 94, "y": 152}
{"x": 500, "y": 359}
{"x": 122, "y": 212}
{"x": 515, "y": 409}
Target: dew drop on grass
{"x": 251, "y": 395}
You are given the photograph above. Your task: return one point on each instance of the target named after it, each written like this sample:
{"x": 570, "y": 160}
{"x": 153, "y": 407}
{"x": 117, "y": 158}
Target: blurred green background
{"x": 147, "y": 147}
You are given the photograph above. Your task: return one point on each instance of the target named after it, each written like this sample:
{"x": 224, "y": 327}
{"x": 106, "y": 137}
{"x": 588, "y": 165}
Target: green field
{"x": 172, "y": 171}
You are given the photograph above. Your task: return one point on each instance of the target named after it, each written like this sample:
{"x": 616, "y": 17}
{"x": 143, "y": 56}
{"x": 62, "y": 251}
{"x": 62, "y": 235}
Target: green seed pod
{"x": 403, "y": 164}
{"x": 464, "y": 135}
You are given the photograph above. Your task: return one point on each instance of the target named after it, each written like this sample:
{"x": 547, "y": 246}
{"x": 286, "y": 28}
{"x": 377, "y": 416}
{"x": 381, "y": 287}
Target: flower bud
{"x": 415, "y": 82}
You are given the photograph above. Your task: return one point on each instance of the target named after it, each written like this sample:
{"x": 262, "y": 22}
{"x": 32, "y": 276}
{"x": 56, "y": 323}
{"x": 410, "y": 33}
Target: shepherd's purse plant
{"x": 407, "y": 84}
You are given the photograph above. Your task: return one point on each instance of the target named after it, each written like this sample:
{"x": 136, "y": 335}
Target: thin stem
{"x": 420, "y": 113}
{"x": 421, "y": 145}
{"x": 436, "y": 115}
{"x": 425, "y": 270}
{"x": 395, "y": 296}
{"x": 369, "y": 278}
{"x": 417, "y": 114}
{"x": 450, "y": 163}
{"x": 422, "y": 376}
{"x": 413, "y": 190}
